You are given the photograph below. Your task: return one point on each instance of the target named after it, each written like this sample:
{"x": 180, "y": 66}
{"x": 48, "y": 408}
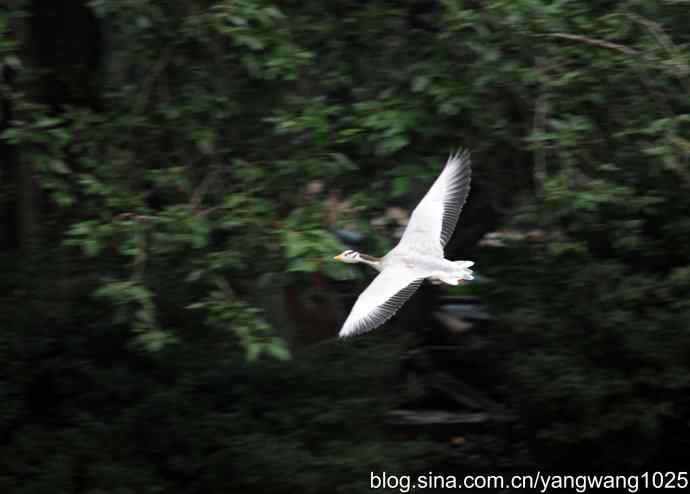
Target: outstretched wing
{"x": 381, "y": 300}
{"x": 433, "y": 221}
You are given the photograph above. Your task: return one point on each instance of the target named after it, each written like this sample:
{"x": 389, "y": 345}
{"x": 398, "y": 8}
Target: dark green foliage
{"x": 151, "y": 189}
{"x": 599, "y": 308}
{"x": 82, "y": 412}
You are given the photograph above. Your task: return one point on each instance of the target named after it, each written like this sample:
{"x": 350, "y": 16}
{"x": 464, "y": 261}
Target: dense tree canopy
{"x": 169, "y": 166}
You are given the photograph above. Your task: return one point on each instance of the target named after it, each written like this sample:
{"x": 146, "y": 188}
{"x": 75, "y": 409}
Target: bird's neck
{"x": 374, "y": 262}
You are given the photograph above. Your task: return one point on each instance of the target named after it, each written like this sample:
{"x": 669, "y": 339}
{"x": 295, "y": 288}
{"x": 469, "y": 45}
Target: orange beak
{"x": 338, "y": 257}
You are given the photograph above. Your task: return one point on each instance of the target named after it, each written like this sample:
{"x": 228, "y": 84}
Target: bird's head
{"x": 349, "y": 256}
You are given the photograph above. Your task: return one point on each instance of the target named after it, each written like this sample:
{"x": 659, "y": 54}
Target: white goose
{"x": 418, "y": 255}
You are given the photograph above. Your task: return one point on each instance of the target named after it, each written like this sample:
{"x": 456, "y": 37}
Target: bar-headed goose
{"x": 418, "y": 255}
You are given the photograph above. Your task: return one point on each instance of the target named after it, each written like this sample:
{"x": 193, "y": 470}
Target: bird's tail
{"x": 465, "y": 271}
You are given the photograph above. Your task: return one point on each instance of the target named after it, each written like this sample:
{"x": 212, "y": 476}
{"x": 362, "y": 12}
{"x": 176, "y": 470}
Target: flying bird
{"x": 418, "y": 255}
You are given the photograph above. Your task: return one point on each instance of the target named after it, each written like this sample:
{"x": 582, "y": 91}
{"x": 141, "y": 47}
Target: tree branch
{"x": 595, "y": 42}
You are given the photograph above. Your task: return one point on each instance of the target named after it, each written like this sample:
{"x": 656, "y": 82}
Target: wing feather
{"x": 381, "y": 300}
{"x": 433, "y": 221}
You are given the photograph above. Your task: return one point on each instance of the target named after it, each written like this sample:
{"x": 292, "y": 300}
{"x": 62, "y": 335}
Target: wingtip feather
{"x": 460, "y": 155}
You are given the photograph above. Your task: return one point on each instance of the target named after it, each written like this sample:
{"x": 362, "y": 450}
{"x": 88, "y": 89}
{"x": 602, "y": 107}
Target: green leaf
{"x": 278, "y": 350}
{"x": 91, "y": 247}
{"x": 420, "y": 83}
{"x": 253, "y": 351}
{"x": 59, "y": 166}
{"x": 295, "y": 244}
{"x": 48, "y": 122}
{"x": 303, "y": 265}
{"x": 338, "y": 270}
{"x": 401, "y": 186}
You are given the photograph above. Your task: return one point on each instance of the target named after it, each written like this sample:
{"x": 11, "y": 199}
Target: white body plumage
{"x": 418, "y": 255}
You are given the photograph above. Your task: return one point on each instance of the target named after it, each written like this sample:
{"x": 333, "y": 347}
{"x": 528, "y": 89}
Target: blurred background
{"x": 177, "y": 176}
